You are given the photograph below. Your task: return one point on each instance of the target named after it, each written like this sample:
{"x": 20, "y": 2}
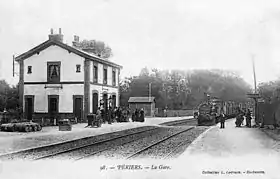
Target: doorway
{"x": 114, "y": 102}
{"x": 94, "y": 103}
{"x": 78, "y": 107}
{"x": 29, "y": 106}
{"x": 53, "y": 106}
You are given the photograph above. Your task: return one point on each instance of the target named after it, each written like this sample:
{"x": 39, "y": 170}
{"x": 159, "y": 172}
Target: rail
{"x": 92, "y": 144}
{"x": 158, "y": 142}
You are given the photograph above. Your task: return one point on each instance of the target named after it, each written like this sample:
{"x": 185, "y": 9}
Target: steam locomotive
{"x": 209, "y": 111}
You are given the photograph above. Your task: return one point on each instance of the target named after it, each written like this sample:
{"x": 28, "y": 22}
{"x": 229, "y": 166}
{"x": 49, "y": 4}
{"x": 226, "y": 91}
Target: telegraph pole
{"x": 255, "y": 90}
{"x": 254, "y": 72}
{"x": 150, "y": 91}
{"x": 165, "y": 90}
{"x": 13, "y": 65}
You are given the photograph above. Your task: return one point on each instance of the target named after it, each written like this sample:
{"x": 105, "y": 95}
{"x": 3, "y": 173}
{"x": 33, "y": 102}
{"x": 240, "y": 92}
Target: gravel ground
{"x": 164, "y": 148}
{"x": 190, "y": 122}
{"x": 128, "y": 149}
{"x": 185, "y": 142}
{"x": 186, "y": 123}
{"x": 16, "y": 141}
{"x": 43, "y": 151}
{"x": 90, "y": 150}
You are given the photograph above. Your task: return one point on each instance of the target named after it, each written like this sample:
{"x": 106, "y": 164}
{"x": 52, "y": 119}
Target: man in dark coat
{"x": 222, "y": 120}
{"x": 119, "y": 114}
{"x": 133, "y": 117}
{"x": 136, "y": 115}
{"x": 103, "y": 115}
{"x": 248, "y": 118}
{"x": 110, "y": 116}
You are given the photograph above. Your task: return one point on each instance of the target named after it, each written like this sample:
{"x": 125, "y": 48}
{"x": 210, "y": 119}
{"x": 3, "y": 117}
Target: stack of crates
{"x": 65, "y": 125}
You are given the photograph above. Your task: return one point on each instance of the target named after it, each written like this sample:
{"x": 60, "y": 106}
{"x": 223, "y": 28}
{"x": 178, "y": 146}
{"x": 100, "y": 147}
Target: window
{"x": 78, "y": 68}
{"x": 105, "y": 75}
{"x": 95, "y": 73}
{"x": 54, "y": 72}
{"x": 29, "y": 69}
{"x": 114, "y": 77}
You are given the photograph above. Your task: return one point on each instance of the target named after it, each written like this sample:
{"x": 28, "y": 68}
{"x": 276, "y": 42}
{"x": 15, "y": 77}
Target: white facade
{"x": 38, "y": 62}
{"x": 54, "y": 54}
{"x": 65, "y": 96}
{"x": 100, "y": 73}
{"x": 101, "y": 88}
{"x": 71, "y": 83}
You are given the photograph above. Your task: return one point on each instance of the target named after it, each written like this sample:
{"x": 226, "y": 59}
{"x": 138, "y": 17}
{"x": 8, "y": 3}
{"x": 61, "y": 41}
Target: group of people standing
{"x": 138, "y": 115}
{"x": 118, "y": 114}
{"x": 113, "y": 115}
{"x": 240, "y": 118}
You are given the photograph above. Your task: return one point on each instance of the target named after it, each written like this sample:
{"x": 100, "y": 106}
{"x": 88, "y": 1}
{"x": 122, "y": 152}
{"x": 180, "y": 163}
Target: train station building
{"x": 59, "y": 81}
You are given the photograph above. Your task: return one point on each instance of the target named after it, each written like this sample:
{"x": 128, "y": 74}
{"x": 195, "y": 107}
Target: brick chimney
{"x": 57, "y": 37}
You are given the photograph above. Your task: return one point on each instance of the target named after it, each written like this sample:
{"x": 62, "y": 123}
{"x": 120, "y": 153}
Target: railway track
{"x": 173, "y": 123}
{"x": 181, "y": 145}
{"x": 171, "y": 153}
{"x": 88, "y": 148}
{"x": 97, "y": 147}
{"x": 64, "y": 147}
{"x": 134, "y": 155}
{"x": 124, "y": 140}
{"x": 181, "y": 122}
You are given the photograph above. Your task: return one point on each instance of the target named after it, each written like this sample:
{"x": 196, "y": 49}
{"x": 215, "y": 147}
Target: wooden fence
{"x": 175, "y": 113}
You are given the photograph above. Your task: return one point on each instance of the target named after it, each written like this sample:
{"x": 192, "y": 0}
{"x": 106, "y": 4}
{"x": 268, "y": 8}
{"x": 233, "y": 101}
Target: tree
{"x": 125, "y": 91}
{"x": 144, "y": 72}
{"x": 9, "y": 98}
{"x": 270, "y": 91}
{"x": 185, "y": 89}
{"x": 95, "y": 47}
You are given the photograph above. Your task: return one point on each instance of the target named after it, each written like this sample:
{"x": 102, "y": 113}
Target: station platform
{"x": 16, "y": 141}
{"x": 232, "y": 152}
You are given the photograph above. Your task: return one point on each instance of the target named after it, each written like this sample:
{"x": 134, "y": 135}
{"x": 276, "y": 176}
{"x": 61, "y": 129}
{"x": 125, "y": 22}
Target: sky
{"x": 163, "y": 34}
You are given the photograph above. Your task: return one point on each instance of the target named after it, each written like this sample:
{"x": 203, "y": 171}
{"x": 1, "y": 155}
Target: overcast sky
{"x": 165, "y": 34}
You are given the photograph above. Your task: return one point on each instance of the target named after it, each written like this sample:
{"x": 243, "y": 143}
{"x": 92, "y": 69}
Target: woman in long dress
{"x": 142, "y": 115}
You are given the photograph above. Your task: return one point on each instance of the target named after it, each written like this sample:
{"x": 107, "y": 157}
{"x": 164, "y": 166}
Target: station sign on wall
{"x": 254, "y": 95}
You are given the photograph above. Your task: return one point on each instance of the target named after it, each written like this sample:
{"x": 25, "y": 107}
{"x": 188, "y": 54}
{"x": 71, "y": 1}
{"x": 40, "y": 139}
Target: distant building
{"x": 147, "y": 103}
{"x": 60, "y": 81}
